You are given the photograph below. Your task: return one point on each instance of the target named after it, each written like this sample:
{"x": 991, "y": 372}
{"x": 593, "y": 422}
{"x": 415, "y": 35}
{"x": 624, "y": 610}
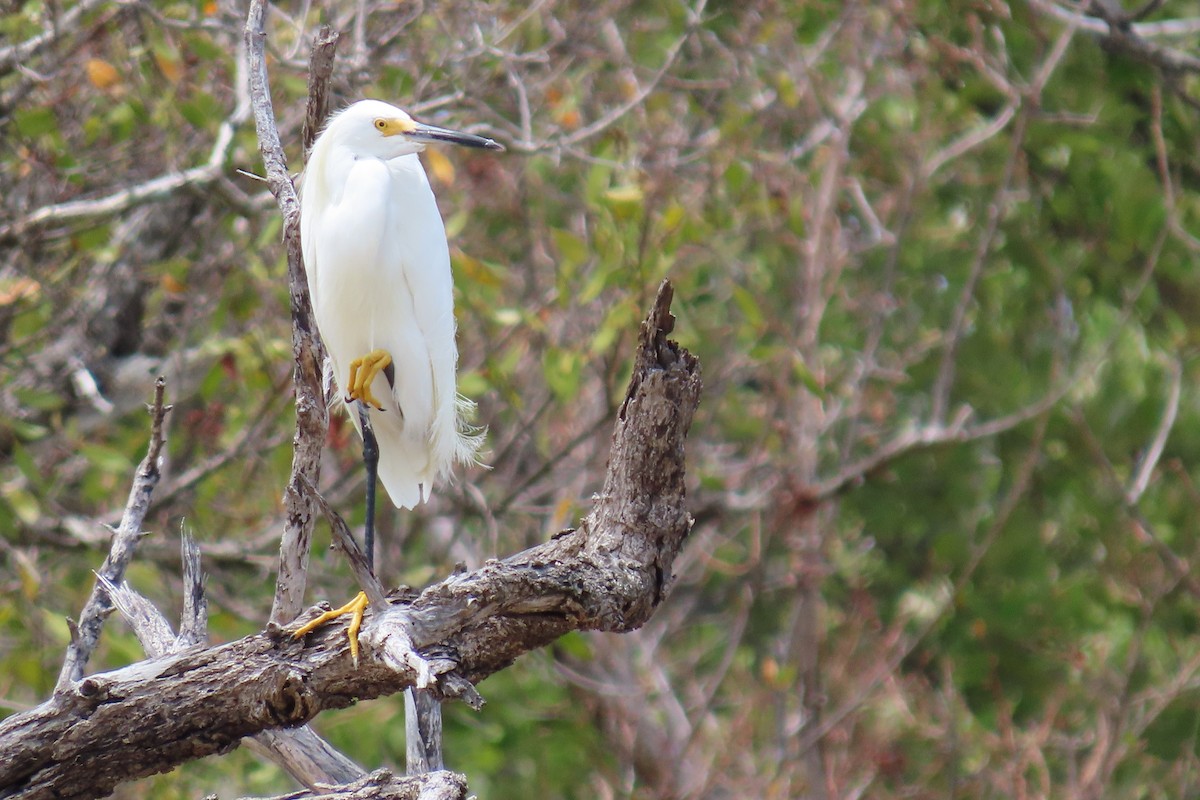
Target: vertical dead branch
{"x": 125, "y": 540}
{"x": 312, "y": 416}
{"x": 320, "y": 68}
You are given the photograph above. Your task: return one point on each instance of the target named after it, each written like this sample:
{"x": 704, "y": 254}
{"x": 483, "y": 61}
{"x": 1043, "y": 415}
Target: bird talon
{"x": 369, "y": 400}
{"x": 362, "y": 374}
{"x": 355, "y": 608}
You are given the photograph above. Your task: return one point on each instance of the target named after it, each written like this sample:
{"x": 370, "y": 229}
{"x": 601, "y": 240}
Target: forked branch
{"x": 610, "y": 573}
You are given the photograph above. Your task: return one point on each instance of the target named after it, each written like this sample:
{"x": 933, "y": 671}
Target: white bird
{"x": 379, "y": 275}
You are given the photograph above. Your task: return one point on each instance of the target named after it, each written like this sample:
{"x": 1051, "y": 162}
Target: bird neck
{"x": 333, "y": 165}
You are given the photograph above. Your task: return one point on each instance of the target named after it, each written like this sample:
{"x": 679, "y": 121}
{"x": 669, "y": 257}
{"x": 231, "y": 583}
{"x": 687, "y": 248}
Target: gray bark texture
{"x": 608, "y": 574}
{"x": 383, "y": 785}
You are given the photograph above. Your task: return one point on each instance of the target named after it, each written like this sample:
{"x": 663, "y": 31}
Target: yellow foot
{"x": 362, "y": 375}
{"x": 355, "y": 607}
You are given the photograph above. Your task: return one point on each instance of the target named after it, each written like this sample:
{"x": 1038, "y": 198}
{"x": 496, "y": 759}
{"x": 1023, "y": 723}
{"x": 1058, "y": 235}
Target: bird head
{"x": 378, "y": 129}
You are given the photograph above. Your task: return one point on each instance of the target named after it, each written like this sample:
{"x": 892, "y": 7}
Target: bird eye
{"x": 381, "y": 124}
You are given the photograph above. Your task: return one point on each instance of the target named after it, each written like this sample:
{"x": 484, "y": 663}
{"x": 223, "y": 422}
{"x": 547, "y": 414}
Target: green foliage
{"x": 862, "y": 258}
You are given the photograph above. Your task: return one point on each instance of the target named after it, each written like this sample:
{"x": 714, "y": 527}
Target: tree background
{"x": 936, "y": 260}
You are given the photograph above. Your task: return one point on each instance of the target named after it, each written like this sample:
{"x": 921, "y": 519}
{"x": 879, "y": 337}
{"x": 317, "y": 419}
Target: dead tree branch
{"x": 383, "y": 785}
{"x": 608, "y": 574}
{"x": 312, "y": 414}
{"x": 125, "y": 540}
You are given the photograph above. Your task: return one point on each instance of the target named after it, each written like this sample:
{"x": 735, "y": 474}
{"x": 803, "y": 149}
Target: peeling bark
{"x": 383, "y": 785}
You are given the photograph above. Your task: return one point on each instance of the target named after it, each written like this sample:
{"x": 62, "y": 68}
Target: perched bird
{"x": 379, "y": 275}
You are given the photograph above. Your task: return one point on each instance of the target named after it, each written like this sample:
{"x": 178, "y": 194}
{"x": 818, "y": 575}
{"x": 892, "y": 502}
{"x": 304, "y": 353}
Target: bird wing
{"x": 379, "y": 274}
{"x": 362, "y": 302}
{"x": 428, "y": 276}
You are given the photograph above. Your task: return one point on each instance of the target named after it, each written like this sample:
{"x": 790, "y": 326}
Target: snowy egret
{"x": 379, "y": 275}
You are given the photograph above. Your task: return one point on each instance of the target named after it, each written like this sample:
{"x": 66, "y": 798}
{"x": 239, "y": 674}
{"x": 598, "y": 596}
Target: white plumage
{"x": 379, "y": 275}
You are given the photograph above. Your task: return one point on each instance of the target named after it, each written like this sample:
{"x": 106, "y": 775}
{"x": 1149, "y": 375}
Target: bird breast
{"x": 382, "y": 281}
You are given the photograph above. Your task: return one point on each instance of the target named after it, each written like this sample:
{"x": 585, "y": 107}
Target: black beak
{"x": 432, "y": 133}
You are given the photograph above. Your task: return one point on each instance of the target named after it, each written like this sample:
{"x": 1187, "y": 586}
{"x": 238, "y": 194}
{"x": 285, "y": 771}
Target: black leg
{"x": 371, "y": 460}
{"x": 422, "y": 711}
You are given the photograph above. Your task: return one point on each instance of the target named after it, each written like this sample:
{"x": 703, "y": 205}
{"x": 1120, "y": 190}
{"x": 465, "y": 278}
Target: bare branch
{"x": 312, "y": 415}
{"x": 1146, "y": 470}
{"x": 969, "y": 140}
{"x": 162, "y": 186}
{"x": 639, "y": 97}
{"x": 23, "y": 51}
{"x": 383, "y": 785}
{"x": 125, "y": 540}
{"x": 609, "y": 574}
{"x": 1116, "y": 31}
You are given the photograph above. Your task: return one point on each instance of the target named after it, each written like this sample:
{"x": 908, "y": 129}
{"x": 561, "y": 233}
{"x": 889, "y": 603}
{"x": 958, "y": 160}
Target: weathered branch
{"x": 609, "y": 574}
{"x": 125, "y": 540}
{"x": 304, "y": 754}
{"x": 383, "y": 785}
{"x": 320, "y": 69}
{"x": 312, "y": 414}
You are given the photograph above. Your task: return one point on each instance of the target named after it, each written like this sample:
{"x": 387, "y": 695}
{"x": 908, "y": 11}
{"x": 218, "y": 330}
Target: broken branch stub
{"x": 608, "y": 574}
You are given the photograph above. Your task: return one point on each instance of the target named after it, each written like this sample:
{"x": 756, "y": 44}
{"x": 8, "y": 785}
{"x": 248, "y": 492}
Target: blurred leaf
{"x": 440, "y": 167}
{"x": 625, "y": 201}
{"x": 476, "y": 272}
{"x": 35, "y": 122}
{"x": 806, "y": 377}
{"x": 108, "y": 459}
{"x": 169, "y": 64}
{"x": 563, "y": 371}
{"x": 202, "y": 110}
{"x": 17, "y": 288}
{"x": 102, "y": 74}
{"x": 22, "y": 502}
{"x": 572, "y": 250}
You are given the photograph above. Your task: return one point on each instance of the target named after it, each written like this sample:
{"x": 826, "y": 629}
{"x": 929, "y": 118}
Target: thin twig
{"x": 995, "y": 213}
{"x": 1131, "y": 39}
{"x": 1138, "y": 487}
{"x": 969, "y": 140}
{"x": 154, "y": 189}
{"x": 958, "y": 431}
{"x": 22, "y": 51}
{"x": 354, "y": 554}
{"x": 639, "y": 97}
